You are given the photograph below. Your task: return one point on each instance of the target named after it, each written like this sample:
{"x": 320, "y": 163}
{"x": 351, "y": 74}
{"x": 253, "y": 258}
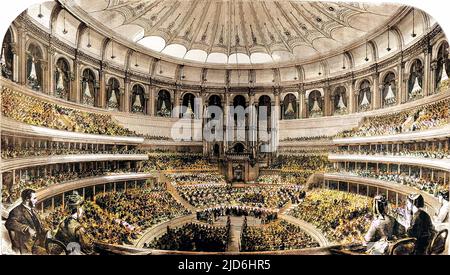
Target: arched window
{"x": 264, "y": 101}
{"x": 289, "y": 109}
{"x": 62, "y": 79}
{"x": 389, "y": 92}
{"x": 315, "y": 104}
{"x": 213, "y": 100}
{"x": 188, "y": 106}
{"x": 364, "y": 96}
{"x": 415, "y": 80}
{"x": 443, "y": 67}
{"x": 163, "y": 104}
{"x": 88, "y": 88}
{"x": 340, "y": 101}
{"x": 34, "y": 67}
{"x": 239, "y": 106}
{"x": 113, "y": 94}
{"x": 138, "y": 101}
{"x": 7, "y": 57}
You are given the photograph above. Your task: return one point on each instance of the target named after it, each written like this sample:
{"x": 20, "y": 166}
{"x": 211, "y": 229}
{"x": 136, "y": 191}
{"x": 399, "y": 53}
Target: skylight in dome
{"x": 217, "y": 58}
{"x": 175, "y": 50}
{"x": 260, "y": 58}
{"x": 196, "y": 55}
{"x": 281, "y": 56}
{"x": 155, "y": 43}
{"x": 241, "y": 59}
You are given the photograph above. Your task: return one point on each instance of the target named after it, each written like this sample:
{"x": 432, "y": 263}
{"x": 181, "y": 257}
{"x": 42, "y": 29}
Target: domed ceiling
{"x": 238, "y": 31}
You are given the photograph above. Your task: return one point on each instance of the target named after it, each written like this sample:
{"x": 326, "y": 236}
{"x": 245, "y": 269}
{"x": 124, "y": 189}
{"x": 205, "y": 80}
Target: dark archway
{"x": 7, "y": 56}
{"x": 164, "y": 104}
{"x": 364, "y": 96}
{"x": 62, "y": 79}
{"x": 35, "y": 74}
{"x": 315, "y": 104}
{"x": 415, "y": 80}
{"x": 389, "y": 92}
{"x": 89, "y": 88}
{"x": 188, "y": 109}
{"x": 340, "y": 102}
{"x": 138, "y": 102}
{"x": 443, "y": 67}
{"x": 289, "y": 110}
{"x": 113, "y": 94}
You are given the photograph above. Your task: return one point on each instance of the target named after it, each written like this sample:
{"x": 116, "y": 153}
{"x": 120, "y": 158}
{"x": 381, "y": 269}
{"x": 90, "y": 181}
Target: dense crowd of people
{"x": 37, "y": 112}
{"x": 300, "y": 162}
{"x": 260, "y": 196}
{"x": 9, "y": 152}
{"x": 310, "y": 138}
{"x": 342, "y": 217}
{"x": 210, "y": 215}
{"x": 120, "y": 217}
{"x": 277, "y": 235}
{"x": 193, "y": 237}
{"x": 174, "y": 161}
{"x": 10, "y": 192}
{"x": 416, "y": 119}
{"x": 201, "y": 178}
{"x": 429, "y": 153}
{"x": 413, "y": 180}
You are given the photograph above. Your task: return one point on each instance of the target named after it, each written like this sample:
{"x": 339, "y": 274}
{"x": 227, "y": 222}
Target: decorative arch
{"x": 415, "y": 80}
{"x": 7, "y": 56}
{"x": 398, "y": 34}
{"x": 443, "y": 67}
{"x": 34, "y": 66}
{"x": 89, "y": 87}
{"x": 315, "y": 103}
{"x": 364, "y": 95}
{"x": 340, "y": 100}
{"x": 164, "y": 103}
{"x": 113, "y": 94}
{"x": 63, "y": 78}
{"x": 266, "y": 101}
{"x": 270, "y": 95}
{"x": 389, "y": 90}
{"x": 138, "y": 102}
{"x": 289, "y": 108}
{"x": 188, "y": 105}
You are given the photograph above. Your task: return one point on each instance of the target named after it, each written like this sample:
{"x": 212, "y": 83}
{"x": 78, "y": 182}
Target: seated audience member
{"x": 70, "y": 230}
{"x": 25, "y": 227}
{"x": 420, "y": 226}
{"x": 442, "y": 215}
{"x": 383, "y": 228}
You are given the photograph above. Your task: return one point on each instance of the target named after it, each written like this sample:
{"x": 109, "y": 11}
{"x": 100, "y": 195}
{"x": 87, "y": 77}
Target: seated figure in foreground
{"x": 420, "y": 225}
{"x": 383, "y": 228}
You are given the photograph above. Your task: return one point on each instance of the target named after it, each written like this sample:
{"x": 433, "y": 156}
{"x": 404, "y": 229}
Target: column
{"x": 327, "y": 101}
{"x": 376, "y": 91}
{"x": 151, "y": 106}
{"x": 102, "y": 89}
{"x": 351, "y": 98}
{"x": 22, "y": 68}
{"x": 432, "y": 84}
{"x": 126, "y": 95}
{"x": 176, "y": 104}
{"x": 226, "y": 119}
{"x": 76, "y": 83}
{"x": 300, "y": 101}
{"x": 401, "y": 84}
{"x": 51, "y": 70}
{"x": 427, "y": 72}
{"x": 252, "y": 118}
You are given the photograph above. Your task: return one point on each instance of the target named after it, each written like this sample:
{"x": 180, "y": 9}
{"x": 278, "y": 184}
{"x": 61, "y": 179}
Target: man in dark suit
{"x": 24, "y": 226}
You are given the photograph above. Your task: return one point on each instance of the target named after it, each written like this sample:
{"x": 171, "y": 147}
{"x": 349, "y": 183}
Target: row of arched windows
{"x": 315, "y": 106}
